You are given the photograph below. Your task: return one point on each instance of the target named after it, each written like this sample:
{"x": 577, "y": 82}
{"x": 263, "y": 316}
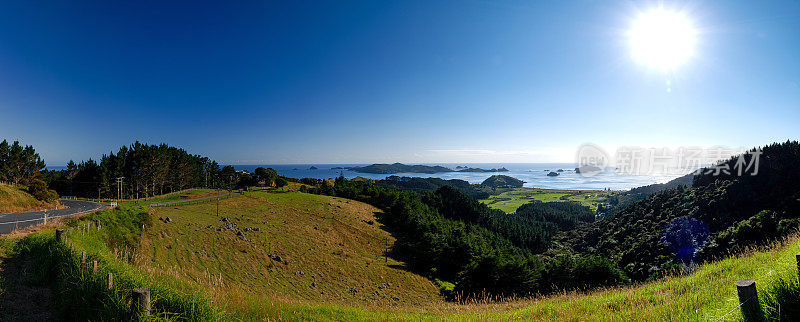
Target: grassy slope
{"x": 13, "y": 199}
{"x": 707, "y": 294}
{"x": 329, "y": 252}
{"x": 188, "y": 194}
{"x": 509, "y": 201}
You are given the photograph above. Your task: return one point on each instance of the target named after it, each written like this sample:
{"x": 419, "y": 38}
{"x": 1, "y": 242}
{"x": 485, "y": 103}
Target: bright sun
{"x": 661, "y": 39}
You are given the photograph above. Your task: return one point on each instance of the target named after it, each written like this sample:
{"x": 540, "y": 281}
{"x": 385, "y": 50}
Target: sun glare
{"x": 661, "y": 39}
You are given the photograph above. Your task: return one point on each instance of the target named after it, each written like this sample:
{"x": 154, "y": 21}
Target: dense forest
{"x": 431, "y": 184}
{"x": 719, "y": 214}
{"x": 448, "y": 235}
{"x": 501, "y": 181}
{"x": 21, "y": 166}
{"x": 619, "y": 201}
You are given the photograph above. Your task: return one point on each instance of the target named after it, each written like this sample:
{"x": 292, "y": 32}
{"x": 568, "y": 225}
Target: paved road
{"x": 25, "y": 219}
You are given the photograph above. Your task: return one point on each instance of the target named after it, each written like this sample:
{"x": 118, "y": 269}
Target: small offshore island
{"x": 383, "y": 168}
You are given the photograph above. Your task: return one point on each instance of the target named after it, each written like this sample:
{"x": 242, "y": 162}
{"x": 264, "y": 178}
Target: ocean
{"x": 534, "y": 174}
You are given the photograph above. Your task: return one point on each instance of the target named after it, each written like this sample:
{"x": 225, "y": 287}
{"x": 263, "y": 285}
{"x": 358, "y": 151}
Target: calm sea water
{"x": 534, "y": 174}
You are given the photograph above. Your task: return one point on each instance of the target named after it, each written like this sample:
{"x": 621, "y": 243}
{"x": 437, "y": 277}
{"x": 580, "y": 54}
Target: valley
{"x": 509, "y": 201}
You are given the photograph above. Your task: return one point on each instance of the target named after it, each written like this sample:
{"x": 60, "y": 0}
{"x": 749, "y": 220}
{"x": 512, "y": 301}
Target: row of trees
{"x": 143, "y": 170}
{"x": 138, "y": 170}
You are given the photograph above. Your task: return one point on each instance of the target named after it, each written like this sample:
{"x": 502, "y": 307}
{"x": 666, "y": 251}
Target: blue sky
{"x": 384, "y": 81}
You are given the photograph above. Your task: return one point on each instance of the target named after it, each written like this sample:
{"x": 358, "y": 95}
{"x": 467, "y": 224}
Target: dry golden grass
{"x": 13, "y": 199}
{"x": 331, "y": 251}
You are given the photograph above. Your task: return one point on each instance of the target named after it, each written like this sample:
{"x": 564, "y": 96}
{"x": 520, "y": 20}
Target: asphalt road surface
{"x": 24, "y": 219}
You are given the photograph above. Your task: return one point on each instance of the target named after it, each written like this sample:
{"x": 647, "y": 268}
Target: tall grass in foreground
{"x": 781, "y": 301}
{"x": 80, "y": 294}
{"x": 706, "y": 294}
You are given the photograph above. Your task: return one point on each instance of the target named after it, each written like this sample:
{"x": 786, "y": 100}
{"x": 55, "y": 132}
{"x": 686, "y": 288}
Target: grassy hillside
{"x": 290, "y": 247}
{"x": 509, "y": 201}
{"x": 248, "y": 283}
{"x": 13, "y": 199}
{"x": 187, "y": 194}
{"x": 234, "y": 267}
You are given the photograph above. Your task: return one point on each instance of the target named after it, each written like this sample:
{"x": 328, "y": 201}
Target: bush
{"x": 38, "y": 189}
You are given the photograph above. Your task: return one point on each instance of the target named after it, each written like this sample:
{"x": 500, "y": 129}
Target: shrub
{"x": 38, "y": 189}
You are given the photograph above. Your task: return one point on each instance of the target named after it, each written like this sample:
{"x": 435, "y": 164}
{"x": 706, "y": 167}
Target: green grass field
{"x": 188, "y": 194}
{"x": 245, "y": 267}
{"x": 331, "y": 268}
{"x": 509, "y": 201}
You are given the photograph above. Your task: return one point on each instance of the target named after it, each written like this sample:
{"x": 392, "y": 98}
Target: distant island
{"x": 501, "y": 181}
{"x": 312, "y": 168}
{"x": 382, "y": 168}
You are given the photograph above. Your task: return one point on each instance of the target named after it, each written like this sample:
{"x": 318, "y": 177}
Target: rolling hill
{"x": 198, "y": 272}
{"x": 14, "y": 199}
{"x": 290, "y": 247}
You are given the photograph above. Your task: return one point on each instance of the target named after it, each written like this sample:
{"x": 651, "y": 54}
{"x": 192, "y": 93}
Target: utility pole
{"x": 119, "y": 189}
{"x": 217, "y": 206}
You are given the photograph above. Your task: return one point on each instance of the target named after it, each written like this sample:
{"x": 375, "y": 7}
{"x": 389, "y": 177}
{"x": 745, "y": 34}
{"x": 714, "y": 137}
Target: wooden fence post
{"x": 748, "y": 298}
{"x": 140, "y": 302}
{"x": 110, "y": 281}
{"x": 798, "y": 264}
{"x": 94, "y": 267}
{"x": 60, "y": 235}
{"x": 72, "y": 247}
{"x": 83, "y": 257}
